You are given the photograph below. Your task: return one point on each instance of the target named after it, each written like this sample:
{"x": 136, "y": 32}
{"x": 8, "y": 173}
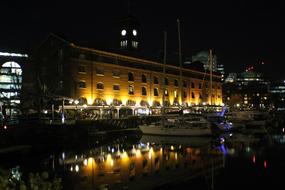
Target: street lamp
{"x": 76, "y": 102}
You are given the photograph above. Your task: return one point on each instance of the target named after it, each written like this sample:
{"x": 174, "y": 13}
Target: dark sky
{"x": 241, "y": 33}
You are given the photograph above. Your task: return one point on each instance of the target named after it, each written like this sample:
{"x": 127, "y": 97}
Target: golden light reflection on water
{"x": 138, "y": 161}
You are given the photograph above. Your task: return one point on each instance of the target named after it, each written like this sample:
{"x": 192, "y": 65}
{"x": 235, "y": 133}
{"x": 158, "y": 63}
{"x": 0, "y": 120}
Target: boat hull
{"x": 174, "y": 131}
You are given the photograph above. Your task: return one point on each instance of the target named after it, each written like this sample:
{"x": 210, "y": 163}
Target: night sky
{"x": 240, "y": 32}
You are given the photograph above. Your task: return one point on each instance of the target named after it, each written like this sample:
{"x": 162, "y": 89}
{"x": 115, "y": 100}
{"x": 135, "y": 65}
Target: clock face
{"x": 124, "y": 32}
{"x": 134, "y": 32}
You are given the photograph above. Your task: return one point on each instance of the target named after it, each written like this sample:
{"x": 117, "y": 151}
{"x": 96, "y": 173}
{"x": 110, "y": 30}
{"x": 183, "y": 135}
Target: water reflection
{"x": 146, "y": 162}
{"x": 151, "y": 161}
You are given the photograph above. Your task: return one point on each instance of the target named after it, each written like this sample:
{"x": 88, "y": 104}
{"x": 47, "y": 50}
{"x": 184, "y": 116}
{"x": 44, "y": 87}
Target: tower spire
{"x": 129, "y": 7}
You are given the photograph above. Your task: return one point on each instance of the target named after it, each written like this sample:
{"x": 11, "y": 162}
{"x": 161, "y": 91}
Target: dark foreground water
{"x": 233, "y": 161}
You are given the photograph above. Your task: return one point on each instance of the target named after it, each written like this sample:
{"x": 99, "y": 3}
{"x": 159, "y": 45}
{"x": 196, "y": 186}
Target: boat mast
{"x": 180, "y": 63}
{"x": 211, "y": 74}
{"x": 164, "y": 63}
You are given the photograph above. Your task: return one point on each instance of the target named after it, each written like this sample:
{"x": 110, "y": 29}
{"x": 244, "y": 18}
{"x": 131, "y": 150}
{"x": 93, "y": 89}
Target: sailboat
{"x": 176, "y": 126}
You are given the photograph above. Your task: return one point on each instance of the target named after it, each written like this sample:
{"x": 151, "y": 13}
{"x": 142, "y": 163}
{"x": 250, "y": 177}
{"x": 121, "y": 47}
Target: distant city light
{"x": 6, "y": 54}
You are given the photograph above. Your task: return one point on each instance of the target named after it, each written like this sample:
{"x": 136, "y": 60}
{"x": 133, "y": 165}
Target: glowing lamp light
{"x": 283, "y": 129}
{"x": 138, "y": 153}
{"x": 76, "y": 102}
{"x": 109, "y": 100}
{"x": 253, "y": 159}
{"x": 265, "y": 164}
{"x": 77, "y": 168}
{"x": 85, "y": 162}
{"x": 89, "y": 101}
{"x": 5, "y": 127}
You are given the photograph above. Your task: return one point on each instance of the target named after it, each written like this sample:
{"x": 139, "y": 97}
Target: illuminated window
{"x": 155, "y": 92}
{"x": 134, "y": 44}
{"x": 130, "y": 77}
{"x": 175, "y": 82}
{"x": 10, "y": 84}
{"x": 81, "y": 84}
{"x": 131, "y": 90}
{"x": 144, "y": 93}
{"x": 124, "y": 44}
{"x": 175, "y": 94}
{"x": 143, "y": 78}
{"x": 100, "y": 86}
{"x": 166, "y": 92}
{"x": 155, "y": 80}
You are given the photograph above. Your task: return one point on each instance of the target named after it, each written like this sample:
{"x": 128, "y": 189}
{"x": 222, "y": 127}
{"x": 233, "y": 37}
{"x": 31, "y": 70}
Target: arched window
{"x": 193, "y": 95}
{"x": 116, "y": 102}
{"x": 175, "y": 82}
{"x": 166, "y": 81}
{"x": 144, "y": 93}
{"x": 131, "y": 90}
{"x": 200, "y": 86}
{"x": 10, "y": 82}
{"x": 166, "y": 92}
{"x": 99, "y": 102}
{"x": 155, "y": 92}
{"x": 155, "y": 104}
{"x": 155, "y": 80}
{"x": 184, "y": 94}
{"x": 130, "y": 77}
{"x": 143, "y": 78}
{"x": 185, "y": 84}
{"x": 81, "y": 84}
{"x": 100, "y": 86}
{"x": 144, "y": 103}
{"x": 131, "y": 103}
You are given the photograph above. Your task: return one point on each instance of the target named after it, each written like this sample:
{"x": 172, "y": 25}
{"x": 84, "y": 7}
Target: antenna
{"x": 129, "y": 7}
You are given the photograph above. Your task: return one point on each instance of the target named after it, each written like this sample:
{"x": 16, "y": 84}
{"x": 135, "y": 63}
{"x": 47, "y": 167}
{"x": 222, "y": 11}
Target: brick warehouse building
{"x": 103, "y": 80}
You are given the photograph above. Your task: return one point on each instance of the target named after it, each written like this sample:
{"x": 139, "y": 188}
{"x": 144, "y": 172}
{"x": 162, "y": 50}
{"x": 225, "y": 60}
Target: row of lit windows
{"x": 116, "y": 74}
{"x": 131, "y": 91}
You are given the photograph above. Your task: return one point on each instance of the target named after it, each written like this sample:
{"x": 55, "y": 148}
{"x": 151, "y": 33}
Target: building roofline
{"x": 116, "y": 55}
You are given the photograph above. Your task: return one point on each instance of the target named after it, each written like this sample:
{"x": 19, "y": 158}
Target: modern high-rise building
{"x": 11, "y": 77}
{"x": 246, "y": 90}
{"x": 204, "y": 57}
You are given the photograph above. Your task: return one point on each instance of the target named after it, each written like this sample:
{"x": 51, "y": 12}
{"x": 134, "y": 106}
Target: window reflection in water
{"x": 141, "y": 162}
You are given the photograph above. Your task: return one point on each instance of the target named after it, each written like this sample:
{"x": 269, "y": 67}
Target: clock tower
{"x": 129, "y": 33}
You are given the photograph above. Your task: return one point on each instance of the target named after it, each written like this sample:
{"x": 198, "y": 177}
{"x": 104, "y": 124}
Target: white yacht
{"x": 179, "y": 126}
